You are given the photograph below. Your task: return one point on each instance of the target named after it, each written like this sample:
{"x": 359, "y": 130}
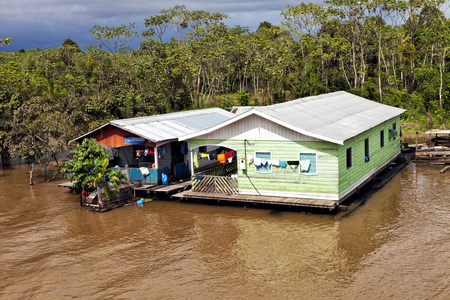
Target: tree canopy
{"x": 394, "y": 52}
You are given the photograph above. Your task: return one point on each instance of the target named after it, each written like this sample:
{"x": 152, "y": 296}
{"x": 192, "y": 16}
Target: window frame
{"x": 348, "y": 153}
{"x": 394, "y": 128}
{"x": 256, "y": 168}
{"x": 317, "y": 164}
{"x": 366, "y": 149}
{"x": 382, "y": 138}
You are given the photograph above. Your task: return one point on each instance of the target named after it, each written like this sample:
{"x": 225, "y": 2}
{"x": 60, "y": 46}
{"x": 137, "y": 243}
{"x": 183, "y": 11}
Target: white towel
{"x": 144, "y": 171}
{"x": 257, "y": 161}
{"x": 230, "y": 159}
{"x": 275, "y": 162}
{"x": 305, "y": 165}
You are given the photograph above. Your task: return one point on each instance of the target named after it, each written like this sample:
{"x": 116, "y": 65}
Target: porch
{"x": 221, "y": 179}
{"x": 256, "y": 199}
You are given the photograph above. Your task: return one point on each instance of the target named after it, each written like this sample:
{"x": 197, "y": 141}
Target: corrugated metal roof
{"x": 333, "y": 117}
{"x": 170, "y": 126}
{"x": 338, "y": 115}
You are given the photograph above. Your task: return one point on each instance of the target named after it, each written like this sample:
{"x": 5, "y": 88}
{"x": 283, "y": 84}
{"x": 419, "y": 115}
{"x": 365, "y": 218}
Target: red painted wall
{"x": 112, "y": 136}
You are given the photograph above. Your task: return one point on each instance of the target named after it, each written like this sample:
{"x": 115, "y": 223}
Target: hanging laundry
{"x": 221, "y": 158}
{"x": 229, "y": 154}
{"x": 282, "y": 163}
{"x": 213, "y": 155}
{"x": 144, "y": 171}
{"x": 145, "y": 152}
{"x": 138, "y": 153}
{"x": 264, "y": 161}
{"x": 293, "y": 164}
{"x": 203, "y": 155}
{"x": 230, "y": 159}
{"x": 275, "y": 163}
{"x": 195, "y": 160}
{"x": 163, "y": 151}
{"x": 250, "y": 159}
{"x": 151, "y": 151}
{"x": 304, "y": 164}
{"x": 184, "y": 148}
{"x": 257, "y": 161}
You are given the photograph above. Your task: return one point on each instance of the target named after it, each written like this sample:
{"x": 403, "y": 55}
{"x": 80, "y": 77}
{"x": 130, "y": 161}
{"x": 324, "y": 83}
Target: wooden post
{"x": 128, "y": 173}
{"x": 156, "y": 157}
{"x": 31, "y": 175}
{"x": 417, "y": 143}
{"x": 192, "y": 163}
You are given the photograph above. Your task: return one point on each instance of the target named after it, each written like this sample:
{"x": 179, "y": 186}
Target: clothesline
{"x": 304, "y": 164}
{"x": 212, "y": 155}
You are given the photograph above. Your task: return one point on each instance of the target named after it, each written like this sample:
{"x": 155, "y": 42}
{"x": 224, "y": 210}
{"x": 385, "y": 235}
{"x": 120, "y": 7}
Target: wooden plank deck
{"x": 168, "y": 189}
{"x": 144, "y": 187}
{"x": 257, "y": 199}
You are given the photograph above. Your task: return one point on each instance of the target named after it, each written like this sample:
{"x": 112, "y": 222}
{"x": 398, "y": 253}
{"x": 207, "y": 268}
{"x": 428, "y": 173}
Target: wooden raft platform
{"x": 257, "y": 199}
{"x": 144, "y": 187}
{"x": 173, "y": 188}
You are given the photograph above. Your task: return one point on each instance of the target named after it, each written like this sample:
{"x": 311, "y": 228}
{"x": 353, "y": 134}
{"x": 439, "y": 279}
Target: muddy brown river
{"x": 395, "y": 246}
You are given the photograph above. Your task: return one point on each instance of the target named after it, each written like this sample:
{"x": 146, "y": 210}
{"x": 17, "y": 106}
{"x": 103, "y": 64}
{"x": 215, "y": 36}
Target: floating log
{"x": 445, "y": 169}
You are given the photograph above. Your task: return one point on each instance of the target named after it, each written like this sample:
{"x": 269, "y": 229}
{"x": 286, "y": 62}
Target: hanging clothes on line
{"x": 293, "y": 164}
{"x": 304, "y": 164}
{"x": 195, "y": 160}
{"x": 221, "y": 158}
{"x": 282, "y": 163}
{"x": 229, "y": 154}
{"x": 257, "y": 161}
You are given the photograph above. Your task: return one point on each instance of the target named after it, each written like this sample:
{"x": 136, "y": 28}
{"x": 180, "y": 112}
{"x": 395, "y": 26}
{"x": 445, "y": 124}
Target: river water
{"x": 395, "y": 246}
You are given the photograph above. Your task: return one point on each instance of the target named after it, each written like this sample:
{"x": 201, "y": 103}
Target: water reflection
{"x": 53, "y": 248}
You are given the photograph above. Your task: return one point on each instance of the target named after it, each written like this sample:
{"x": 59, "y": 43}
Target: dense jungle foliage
{"x": 393, "y": 52}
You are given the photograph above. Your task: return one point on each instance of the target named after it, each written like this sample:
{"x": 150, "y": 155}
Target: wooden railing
{"x": 227, "y": 169}
{"x": 215, "y": 184}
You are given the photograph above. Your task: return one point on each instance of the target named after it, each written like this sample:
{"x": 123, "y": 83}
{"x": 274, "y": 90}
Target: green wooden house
{"x": 317, "y": 149}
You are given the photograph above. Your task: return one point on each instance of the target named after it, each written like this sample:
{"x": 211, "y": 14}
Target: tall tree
{"x": 114, "y": 38}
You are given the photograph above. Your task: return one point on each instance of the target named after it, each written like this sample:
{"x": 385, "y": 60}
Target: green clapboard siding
{"x": 378, "y": 155}
{"x": 286, "y": 179}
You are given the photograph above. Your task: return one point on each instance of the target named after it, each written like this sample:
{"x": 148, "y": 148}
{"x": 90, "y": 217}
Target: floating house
{"x": 147, "y": 147}
{"x": 315, "y": 151}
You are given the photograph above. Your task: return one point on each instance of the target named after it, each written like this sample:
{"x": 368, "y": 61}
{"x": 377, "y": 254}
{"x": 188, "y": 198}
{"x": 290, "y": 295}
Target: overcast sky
{"x": 47, "y": 23}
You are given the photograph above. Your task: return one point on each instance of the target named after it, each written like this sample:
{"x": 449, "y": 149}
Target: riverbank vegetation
{"x": 393, "y": 52}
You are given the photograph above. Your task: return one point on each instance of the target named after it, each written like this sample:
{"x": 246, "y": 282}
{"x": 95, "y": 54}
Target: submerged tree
{"x": 90, "y": 165}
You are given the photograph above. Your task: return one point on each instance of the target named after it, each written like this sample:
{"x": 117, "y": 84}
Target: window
{"x": 349, "y": 157}
{"x": 264, "y": 156}
{"x": 308, "y": 163}
{"x": 393, "y": 131}
{"x": 366, "y": 150}
{"x": 381, "y": 138}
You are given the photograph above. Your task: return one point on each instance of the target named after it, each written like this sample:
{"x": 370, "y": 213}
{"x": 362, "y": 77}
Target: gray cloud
{"x": 47, "y": 23}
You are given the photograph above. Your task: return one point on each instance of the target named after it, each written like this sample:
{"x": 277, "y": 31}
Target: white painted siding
{"x": 255, "y": 128}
